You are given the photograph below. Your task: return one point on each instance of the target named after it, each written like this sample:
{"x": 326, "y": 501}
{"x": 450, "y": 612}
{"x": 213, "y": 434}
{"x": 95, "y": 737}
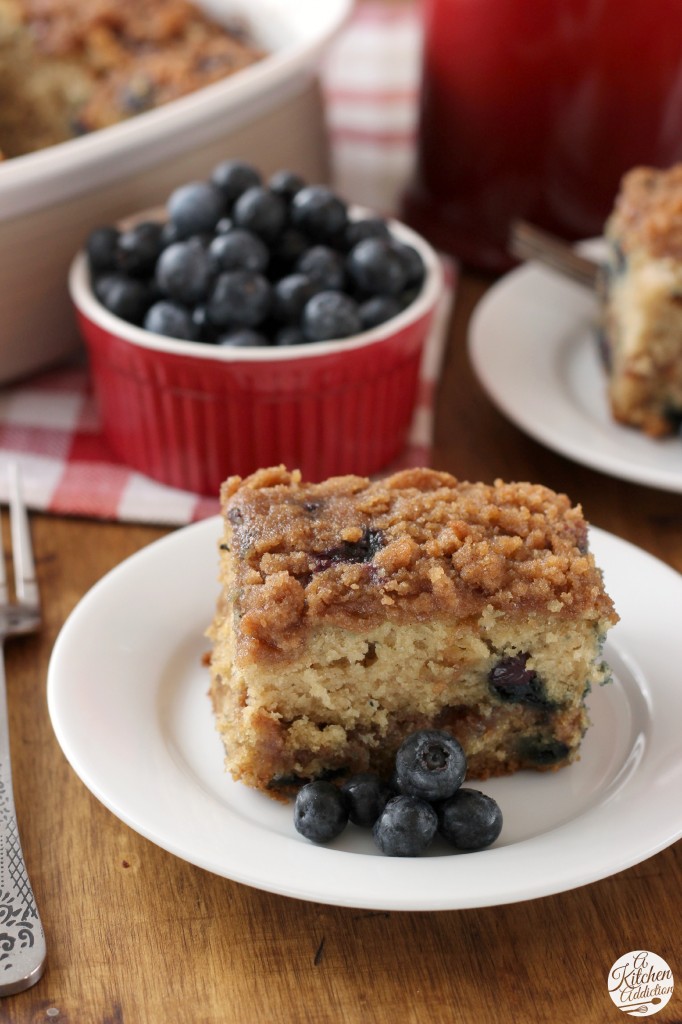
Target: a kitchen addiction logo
{"x": 640, "y": 983}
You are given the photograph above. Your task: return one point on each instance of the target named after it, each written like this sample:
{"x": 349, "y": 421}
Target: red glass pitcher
{"x": 534, "y": 109}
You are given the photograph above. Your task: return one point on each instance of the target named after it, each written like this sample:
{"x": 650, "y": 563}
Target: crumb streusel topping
{"x": 648, "y": 212}
{"x": 415, "y": 546}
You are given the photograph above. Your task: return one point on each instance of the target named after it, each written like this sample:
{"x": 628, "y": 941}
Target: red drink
{"x": 534, "y": 109}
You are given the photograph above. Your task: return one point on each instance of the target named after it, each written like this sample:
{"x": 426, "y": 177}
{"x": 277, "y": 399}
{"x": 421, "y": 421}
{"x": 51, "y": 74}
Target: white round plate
{"x": 533, "y": 347}
{"x": 127, "y": 693}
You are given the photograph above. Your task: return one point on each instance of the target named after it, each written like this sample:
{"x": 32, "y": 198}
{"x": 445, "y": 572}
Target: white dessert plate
{"x": 127, "y": 694}
{"x": 533, "y": 347}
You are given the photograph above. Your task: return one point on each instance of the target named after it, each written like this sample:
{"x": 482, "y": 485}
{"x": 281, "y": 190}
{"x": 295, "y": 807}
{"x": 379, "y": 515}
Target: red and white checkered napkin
{"x": 50, "y": 423}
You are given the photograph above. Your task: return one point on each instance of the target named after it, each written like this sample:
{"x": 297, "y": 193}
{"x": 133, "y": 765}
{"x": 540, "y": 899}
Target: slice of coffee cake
{"x": 354, "y": 612}
{"x": 642, "y": 313}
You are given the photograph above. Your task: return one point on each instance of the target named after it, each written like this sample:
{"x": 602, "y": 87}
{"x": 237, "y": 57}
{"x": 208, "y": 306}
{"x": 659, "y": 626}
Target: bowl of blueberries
{"x": 252, "y": 323}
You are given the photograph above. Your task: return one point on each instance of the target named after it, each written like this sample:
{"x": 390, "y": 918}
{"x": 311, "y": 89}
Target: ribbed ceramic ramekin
{"x": 190, "y": 414}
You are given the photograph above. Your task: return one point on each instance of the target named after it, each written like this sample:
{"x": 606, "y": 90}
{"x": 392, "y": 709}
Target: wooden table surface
{"x": 136, "y": 935}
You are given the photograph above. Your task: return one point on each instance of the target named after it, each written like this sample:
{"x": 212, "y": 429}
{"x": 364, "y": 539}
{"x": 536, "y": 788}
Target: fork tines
{"x": 22, "y": 551}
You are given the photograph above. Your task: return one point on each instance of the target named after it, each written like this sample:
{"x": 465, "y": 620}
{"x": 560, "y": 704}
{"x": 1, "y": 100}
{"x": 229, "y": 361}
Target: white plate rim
{"x": 596, "y": 845}
{"x": 509, "y": 314}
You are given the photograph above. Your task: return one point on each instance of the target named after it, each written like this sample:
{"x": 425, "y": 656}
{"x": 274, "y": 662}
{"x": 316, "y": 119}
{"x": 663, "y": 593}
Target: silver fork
{"x": 528, "y": 242}
{"x": 22, "y": 940}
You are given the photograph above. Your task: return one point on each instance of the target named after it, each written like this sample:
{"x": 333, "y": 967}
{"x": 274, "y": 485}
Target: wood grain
{"x": 135, "y": 935}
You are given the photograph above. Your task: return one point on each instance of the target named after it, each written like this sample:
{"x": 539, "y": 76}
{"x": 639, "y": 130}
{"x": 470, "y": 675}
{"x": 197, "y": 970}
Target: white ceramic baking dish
{"x": 269, "y": 113}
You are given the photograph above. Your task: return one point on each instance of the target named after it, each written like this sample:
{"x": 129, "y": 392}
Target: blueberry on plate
{"x": 240, "y": 298}
{"x": 366, "y": 796}
{"x": 430, "y": 764}
{"x": 469, "y": 820}
{"x": 261, "y": 211}
{"x": 330, "y": 315}
{"x": 195, "y": 208}
{"x": 233, "y": 177}
{"x": 171, "y": 319}
{"x": 405, "y": 827}
{"x": 320, "y": 812}
{"x": 183, "y": 272}
{"x": 319, "y": 212}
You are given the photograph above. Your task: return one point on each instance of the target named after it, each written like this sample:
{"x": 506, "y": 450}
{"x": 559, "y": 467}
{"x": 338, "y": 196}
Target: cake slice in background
{"x": 642, "y": 313}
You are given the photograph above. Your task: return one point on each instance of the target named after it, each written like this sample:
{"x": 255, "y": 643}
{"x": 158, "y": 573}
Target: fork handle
{"x": 22, "y": 940}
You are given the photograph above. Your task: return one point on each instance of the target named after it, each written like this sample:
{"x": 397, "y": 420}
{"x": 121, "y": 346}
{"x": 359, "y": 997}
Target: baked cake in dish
{"x": 642, "y": 322}
{"x": 68, "y": 67}
{"x": 353, "y": 612}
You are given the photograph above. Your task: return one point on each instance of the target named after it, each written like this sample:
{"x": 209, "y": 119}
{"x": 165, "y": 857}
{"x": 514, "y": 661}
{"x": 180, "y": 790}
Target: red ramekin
{"x": 190, "y": 414}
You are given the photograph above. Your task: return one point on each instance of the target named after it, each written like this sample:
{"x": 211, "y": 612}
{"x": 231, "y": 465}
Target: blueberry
{"x": 261, "y": 211}
{"x": 100, "y": 248}
{"x": 138, "y": 249}
{"x": 366, "y": 796}
{"x": 330, "y": 315}
{"x": 378, "y": 310}
{"x": 362, "y": 550}
{"x": 101, "y": 284}
{"x": 286, "y": 184}
{"x": 513, "y": 683}
{"x": 430, "y": 764}
{"x": 205, "y": 330}
{"x": 290, "y": 295}
{"x": 324, "y": 266}
{"x": 223, "y": 226}
{"x": 369, "y": 227}
{"x": 285, "y": 251}
{"x": 545, "y": 753}
{"x": 238, "y": 250}
{"x": 376, "y": 268}
{"x": 319, "y": 212}
{"x": 195, "y": 207}
{"x": 183, "y": 272}
{"x": 170, "y": 319}
{"x": 469, "y": 820}
{"x": 234, "y": 177}
{"x": 242, "y": 337}
{"x": 169, "y": 234}
{"x": 320, "y": 812}
{"x": 125, "y": 297}
{"x": 405, "y": 827}
{"x": 290, "y": 334}
{"x": 412, "y": 263}
{"x": 240, "y": 298}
